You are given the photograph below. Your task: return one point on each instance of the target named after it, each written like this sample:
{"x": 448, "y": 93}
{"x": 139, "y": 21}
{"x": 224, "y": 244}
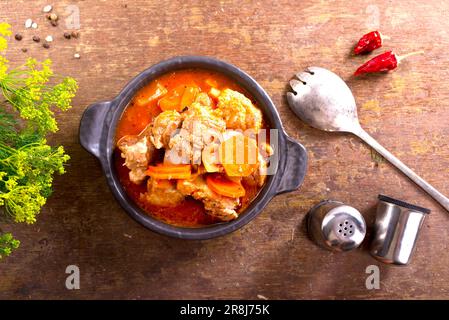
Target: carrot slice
{"x": 169, "y": 171}
{"x": 189, "y": 96}
{"x": 238, "y": 155}
{"x": 155, "y": 91}
{"x": 172, "y": 101}
{"x": 224, "y": 186}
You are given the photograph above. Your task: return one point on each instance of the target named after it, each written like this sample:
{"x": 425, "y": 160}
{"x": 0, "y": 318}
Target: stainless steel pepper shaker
{"x": 396, "y": 230}
{"x": 336, "y": 226}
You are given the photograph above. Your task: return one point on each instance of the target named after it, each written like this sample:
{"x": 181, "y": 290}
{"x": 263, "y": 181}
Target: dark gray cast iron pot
{"x": 97, "y": 131}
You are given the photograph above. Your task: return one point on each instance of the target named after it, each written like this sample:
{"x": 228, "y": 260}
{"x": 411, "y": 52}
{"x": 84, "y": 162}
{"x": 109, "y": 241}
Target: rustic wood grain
{"x": 406, "y": 111}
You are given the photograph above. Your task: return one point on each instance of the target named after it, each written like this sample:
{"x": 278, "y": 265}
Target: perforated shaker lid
{"x": 343, "y": 228}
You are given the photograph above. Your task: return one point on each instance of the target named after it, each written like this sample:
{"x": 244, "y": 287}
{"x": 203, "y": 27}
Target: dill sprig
{"x": 27, "y": 162}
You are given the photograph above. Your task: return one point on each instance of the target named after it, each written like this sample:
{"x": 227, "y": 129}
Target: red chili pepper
{"x": 383, "y": 62}
{"x": 369, "y": 42}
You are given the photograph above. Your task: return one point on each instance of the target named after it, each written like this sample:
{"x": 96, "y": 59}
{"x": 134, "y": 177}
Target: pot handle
{"x": 295, "y": 167}
{"x": 91, "y": 126}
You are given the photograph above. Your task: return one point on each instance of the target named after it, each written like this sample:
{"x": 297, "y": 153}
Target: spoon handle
{"x": 438, "y": 196}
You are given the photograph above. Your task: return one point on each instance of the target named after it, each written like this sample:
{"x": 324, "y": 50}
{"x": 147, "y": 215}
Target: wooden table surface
{"x": 406, "y": 110}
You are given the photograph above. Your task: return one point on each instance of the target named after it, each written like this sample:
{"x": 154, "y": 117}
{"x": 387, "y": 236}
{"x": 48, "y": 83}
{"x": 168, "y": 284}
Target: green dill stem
{"x": 8, "y": 149}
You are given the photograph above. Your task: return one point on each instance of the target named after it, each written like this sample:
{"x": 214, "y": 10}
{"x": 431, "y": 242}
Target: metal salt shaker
{"x": 396, "y": 230}
{"x": 336, "y": 226}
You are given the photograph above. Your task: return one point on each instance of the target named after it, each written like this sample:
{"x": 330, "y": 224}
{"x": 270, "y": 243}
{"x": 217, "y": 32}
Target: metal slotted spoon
{"x": 324, "y": 101}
